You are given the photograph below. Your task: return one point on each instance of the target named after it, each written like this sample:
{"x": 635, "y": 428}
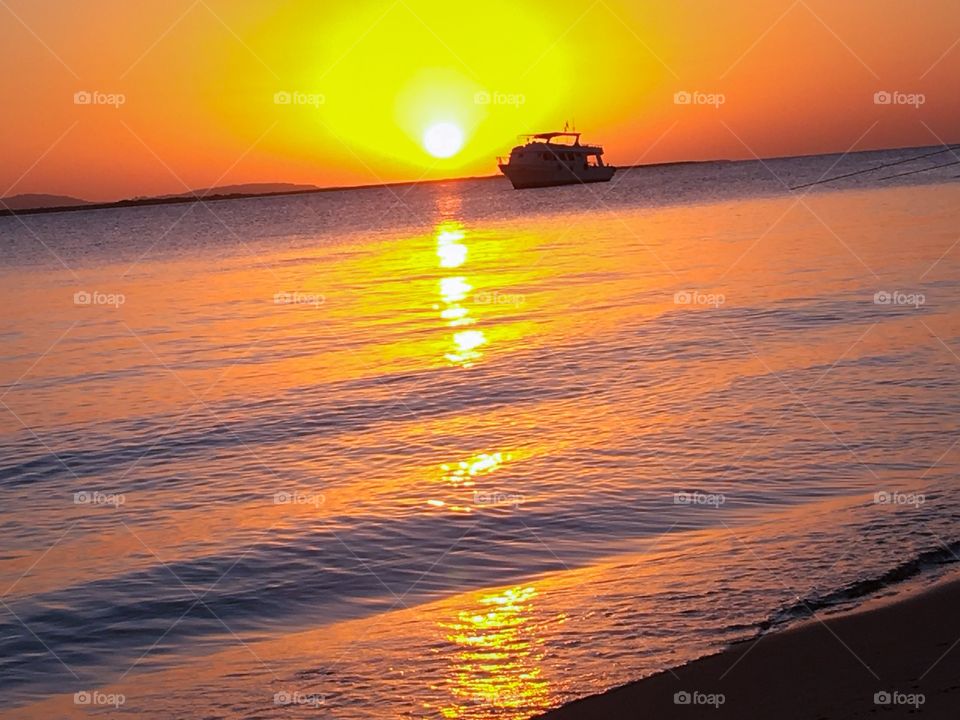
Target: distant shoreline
{"x": 880, "y": 659}
{"x": 181, "y": 199}
{"x": 217, "y": 197}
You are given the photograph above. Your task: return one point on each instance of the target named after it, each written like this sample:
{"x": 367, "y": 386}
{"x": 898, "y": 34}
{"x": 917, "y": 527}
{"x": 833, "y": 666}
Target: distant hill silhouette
{"x": 42, "y": 201}
{"x": 224, "y": 192}
{"x": 39, "y": 200}
{"x": 243, "y": 189}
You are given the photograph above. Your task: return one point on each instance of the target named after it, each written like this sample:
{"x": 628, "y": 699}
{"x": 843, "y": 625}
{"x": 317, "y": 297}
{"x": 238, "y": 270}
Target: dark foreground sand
{"x": 897, "y": 660}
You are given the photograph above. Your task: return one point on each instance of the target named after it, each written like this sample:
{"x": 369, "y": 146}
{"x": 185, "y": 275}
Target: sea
{"x": 451, "y": 450}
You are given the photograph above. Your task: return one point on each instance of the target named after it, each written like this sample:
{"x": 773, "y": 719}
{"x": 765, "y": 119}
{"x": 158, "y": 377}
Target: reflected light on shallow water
{"x": 497, "y": 661}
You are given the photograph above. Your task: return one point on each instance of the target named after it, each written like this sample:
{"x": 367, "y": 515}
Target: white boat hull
{"x": 536, "y": 175}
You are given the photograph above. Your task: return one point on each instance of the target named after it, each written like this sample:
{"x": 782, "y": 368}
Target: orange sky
{"x": 198, "y": 81}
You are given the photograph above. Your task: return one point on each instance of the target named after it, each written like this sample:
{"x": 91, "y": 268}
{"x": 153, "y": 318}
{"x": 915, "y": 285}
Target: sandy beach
{"x": 898, "y": 659}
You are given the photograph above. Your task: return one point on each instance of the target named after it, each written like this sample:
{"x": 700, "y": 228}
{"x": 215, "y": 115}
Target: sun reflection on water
{"x": 452, "y": 253}
{"x": 497, "y": 656}
{"x": 450, "y": 250}
{"x": 454, "y": 289}
{"x": 462, "y": 474}
{"x": 466, "y": 343}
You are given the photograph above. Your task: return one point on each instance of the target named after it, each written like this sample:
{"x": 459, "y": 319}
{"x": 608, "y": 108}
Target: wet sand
{"x": 900, "y": 659}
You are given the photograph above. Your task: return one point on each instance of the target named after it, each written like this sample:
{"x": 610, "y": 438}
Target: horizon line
{"x": 192, "y": 196}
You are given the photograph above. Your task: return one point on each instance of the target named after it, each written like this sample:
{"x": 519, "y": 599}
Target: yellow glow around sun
{"x": 443, "y": 140}
{"x": 425, "y": 84}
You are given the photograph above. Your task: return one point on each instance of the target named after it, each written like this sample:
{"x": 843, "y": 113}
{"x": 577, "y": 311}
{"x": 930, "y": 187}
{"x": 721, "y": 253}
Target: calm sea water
{"x": 455, "y": 451}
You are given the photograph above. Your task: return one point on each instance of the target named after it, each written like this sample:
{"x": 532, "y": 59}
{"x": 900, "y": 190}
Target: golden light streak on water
{"x": 498, "y": 659}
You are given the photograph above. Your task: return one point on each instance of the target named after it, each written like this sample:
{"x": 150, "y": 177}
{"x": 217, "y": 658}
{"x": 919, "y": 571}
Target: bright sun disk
{"x": 443, "y": 140}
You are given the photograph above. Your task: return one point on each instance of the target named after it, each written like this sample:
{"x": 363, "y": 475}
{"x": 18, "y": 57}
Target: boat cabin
{"x": 545, "y": 148}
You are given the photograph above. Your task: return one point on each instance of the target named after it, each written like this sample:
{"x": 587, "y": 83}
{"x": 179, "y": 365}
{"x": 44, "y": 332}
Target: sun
{"x": 443, "y": 140}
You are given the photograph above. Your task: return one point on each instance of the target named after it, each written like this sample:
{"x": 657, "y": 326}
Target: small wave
{"x": 807, "y": 607}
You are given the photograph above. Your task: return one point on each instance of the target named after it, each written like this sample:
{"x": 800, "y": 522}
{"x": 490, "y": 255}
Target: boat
{"x": 545, "y": 160}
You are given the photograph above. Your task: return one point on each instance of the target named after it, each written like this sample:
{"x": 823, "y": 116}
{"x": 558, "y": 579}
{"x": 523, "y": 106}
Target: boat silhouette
{"x": 543, "y": 162}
